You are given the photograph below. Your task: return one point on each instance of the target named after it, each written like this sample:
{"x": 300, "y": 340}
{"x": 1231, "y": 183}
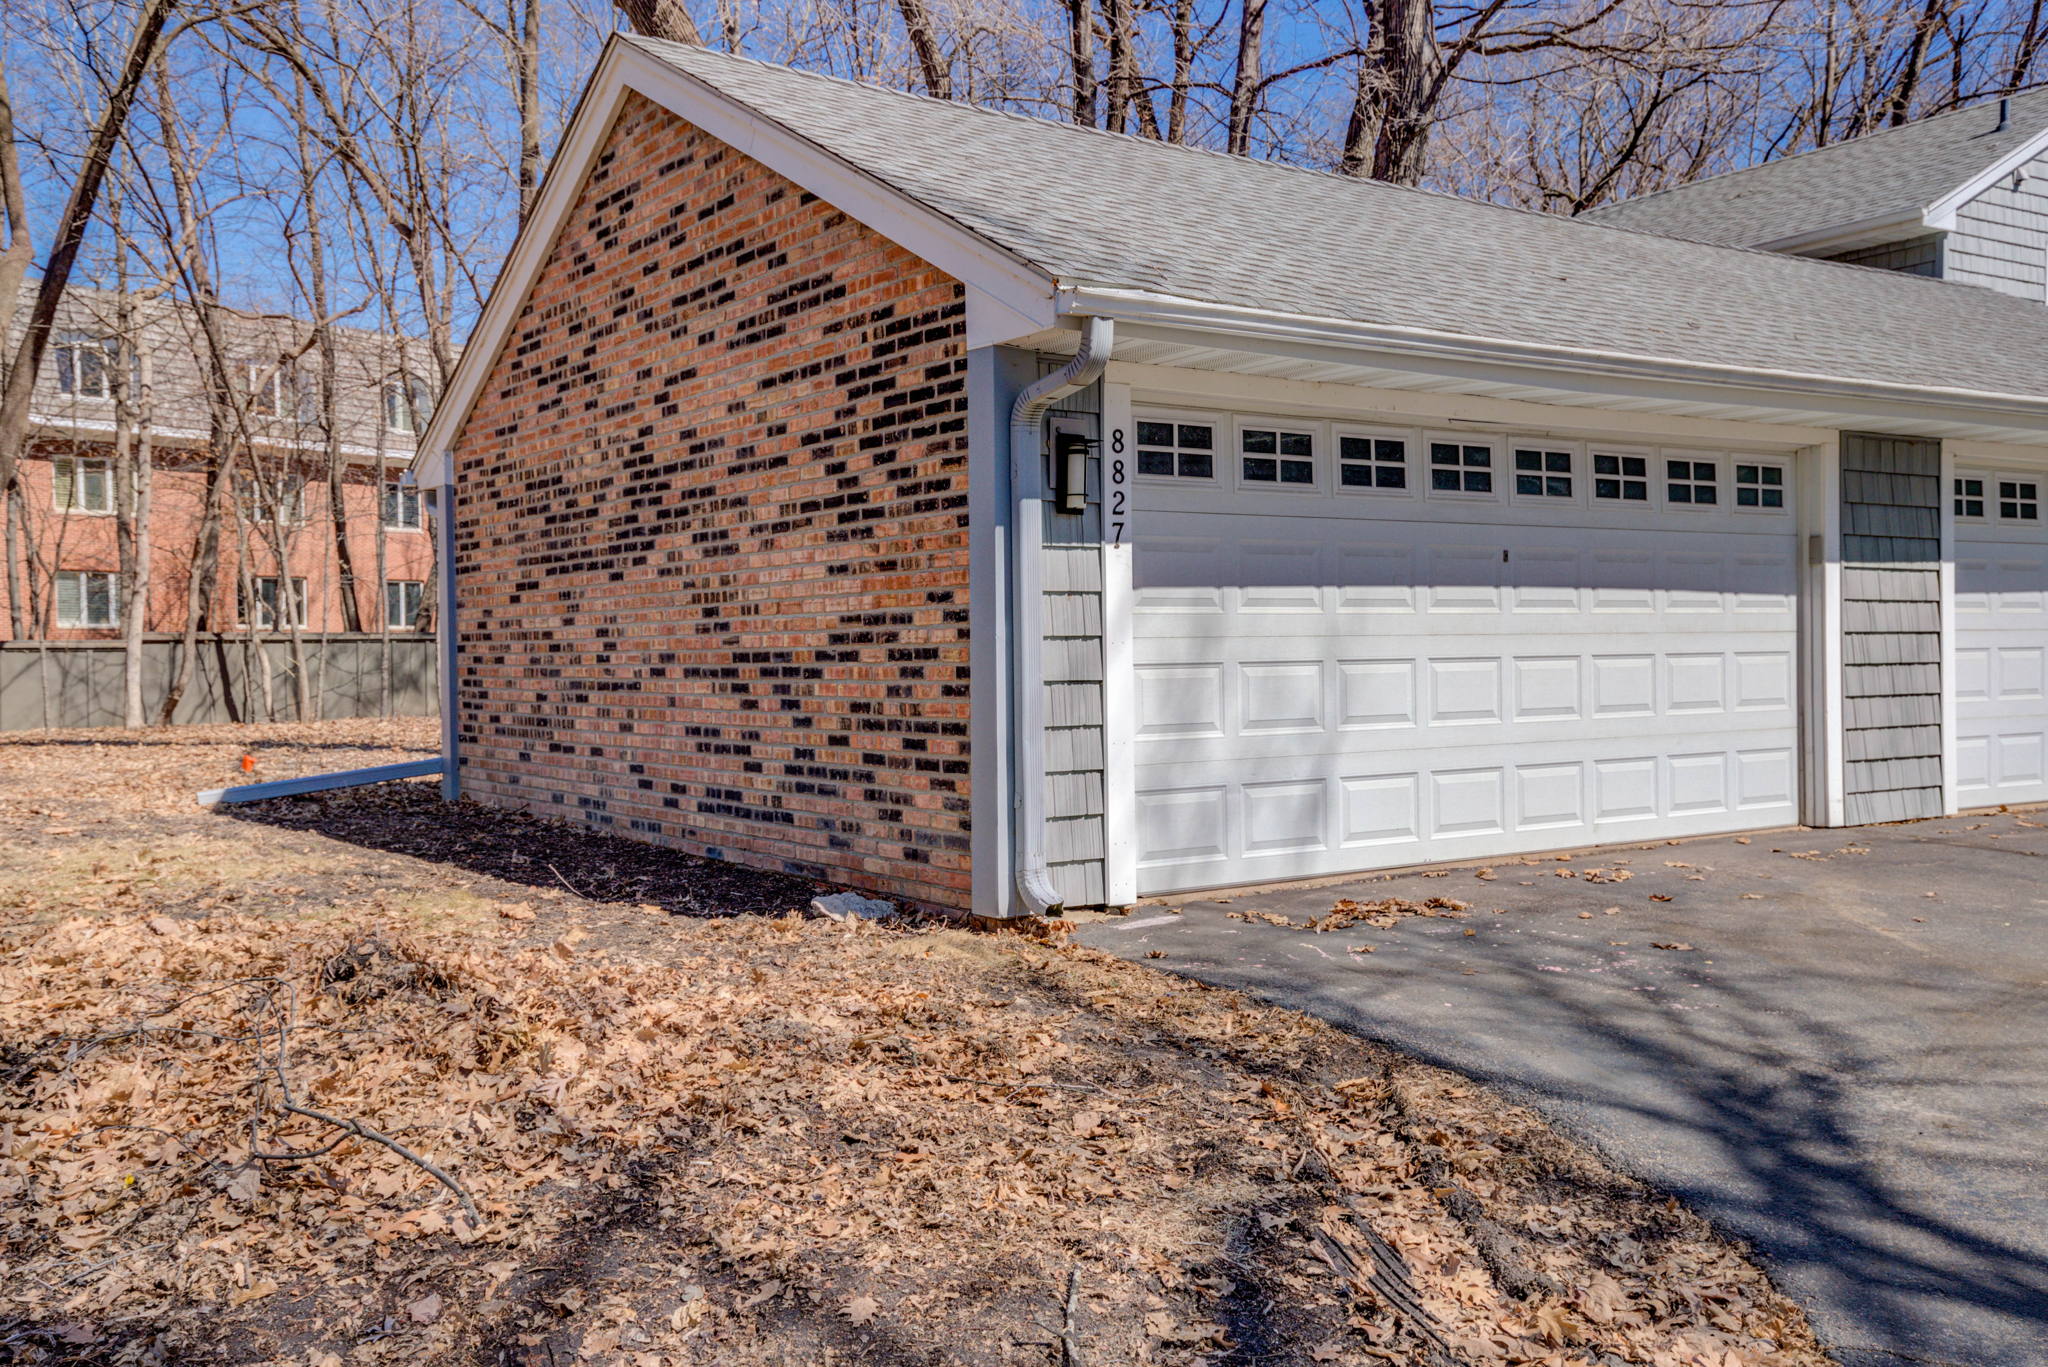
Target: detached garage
{"x": 1000, "y": 515}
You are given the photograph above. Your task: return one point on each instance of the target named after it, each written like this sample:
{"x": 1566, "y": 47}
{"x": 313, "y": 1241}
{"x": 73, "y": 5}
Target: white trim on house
{"x": 1842, "y": 237}
{"x": 1007, "y": 297}
{"x": 1941, "y": 215}
{"x": 1613, "y": 375}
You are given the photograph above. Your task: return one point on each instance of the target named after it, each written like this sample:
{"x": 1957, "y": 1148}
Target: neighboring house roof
{"x": 1097, "y": 208}
{"x": 1905, "y": 179}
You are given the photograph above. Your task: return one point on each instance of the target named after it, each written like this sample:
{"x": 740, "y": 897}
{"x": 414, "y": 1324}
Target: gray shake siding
{"x": 1891, "y": 627}
{"x": 1072, "y": 627}
{"x": 2001, "y": 237}
{"x": 1915, "y": 256}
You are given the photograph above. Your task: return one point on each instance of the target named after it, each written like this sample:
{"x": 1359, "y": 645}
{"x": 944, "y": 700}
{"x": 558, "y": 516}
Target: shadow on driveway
{"x": 1842, "y": 1054}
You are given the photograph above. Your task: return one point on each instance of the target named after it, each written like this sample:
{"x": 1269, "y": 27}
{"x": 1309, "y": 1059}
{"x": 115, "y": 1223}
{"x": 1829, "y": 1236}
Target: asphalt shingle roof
{"x": 1892, "y": 173}
{"x": 1103, "y": 209}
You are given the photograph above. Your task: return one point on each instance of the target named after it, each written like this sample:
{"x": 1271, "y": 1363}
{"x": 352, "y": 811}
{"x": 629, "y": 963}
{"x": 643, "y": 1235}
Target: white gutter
{"x": 1027, "y": 609}
{"x": 1396, "y": 343}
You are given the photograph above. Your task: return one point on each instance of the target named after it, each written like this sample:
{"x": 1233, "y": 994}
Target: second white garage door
{"x": 2001, "y": 638}
{"x": 1542, "y": 645}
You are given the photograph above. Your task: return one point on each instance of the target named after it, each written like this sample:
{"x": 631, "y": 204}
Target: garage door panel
{"x": 1326, "y": 694}
{"x": 2001, "y": 661}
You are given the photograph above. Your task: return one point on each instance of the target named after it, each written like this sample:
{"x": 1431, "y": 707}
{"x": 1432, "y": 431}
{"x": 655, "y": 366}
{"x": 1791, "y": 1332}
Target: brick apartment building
{"x": 279, "y": 566}
{"x": 1000, "y": 514}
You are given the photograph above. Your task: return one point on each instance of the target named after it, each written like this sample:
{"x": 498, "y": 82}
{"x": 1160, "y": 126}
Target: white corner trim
{"x": 1007, "y": 297}
{"x": 1941, "y": 215}
{"x": 1950, "y": 786}
{"x": 1119, "y": 671}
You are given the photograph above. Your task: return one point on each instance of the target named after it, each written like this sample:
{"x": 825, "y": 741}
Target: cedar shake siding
{"x": 711, "y": 530}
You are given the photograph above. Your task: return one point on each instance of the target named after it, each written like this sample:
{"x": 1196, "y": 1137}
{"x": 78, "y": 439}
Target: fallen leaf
{"x": 255, "y": 1291}
{"x": 426, "y": 1309}
{"x": 859, "y": 1309}
{"x": 1670, "y": 944}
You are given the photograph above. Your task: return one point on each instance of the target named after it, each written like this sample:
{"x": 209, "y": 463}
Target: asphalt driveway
{"x": 1842, "y": 1057}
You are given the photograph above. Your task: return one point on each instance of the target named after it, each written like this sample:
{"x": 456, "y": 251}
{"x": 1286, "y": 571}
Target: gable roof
{"x": 1097, "y": 208}
{"x": 1042, "y": 219}
{"x": 1905, "y": 180}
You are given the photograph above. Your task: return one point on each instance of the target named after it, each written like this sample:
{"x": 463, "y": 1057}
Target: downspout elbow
{"x": 1027, "y": 415}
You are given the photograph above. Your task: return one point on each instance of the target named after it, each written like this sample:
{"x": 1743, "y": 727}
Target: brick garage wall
{"x": 711, "y": 530}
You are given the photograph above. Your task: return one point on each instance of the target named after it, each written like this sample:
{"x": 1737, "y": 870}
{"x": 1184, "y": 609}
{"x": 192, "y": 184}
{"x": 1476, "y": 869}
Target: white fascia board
{"x": 1941, "y": 215}
{"x": 1889, "y": 227}
{"x": 73, "y": 429}
{"x": 1006, "y": 296}
{"x": 1581, "y": 369}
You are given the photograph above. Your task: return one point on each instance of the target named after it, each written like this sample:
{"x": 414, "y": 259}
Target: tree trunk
{"x": 27, "y": 359}
{"x": 1398, "y": 85}
{"x": 1081, "y": 58}
{"x": 529, "y": 109}
{"x": 1245, "y": 84}
{"x": 1183, "y": 71}
{"x": 19, "y": 253}
{"x": 661, "y": 19}
{"x": 924, "y": 41}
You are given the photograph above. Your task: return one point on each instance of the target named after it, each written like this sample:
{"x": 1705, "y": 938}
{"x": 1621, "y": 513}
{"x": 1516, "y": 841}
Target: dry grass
{"x": 752, "y": 1139}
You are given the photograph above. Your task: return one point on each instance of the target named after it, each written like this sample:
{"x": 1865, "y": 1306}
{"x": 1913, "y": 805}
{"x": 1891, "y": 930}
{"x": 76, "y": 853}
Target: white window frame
{"x": 405, "y": 494}
{"x": 68, "y": 347}
{"x": 402, "y": 395}
{"x": 419, "y": 598}
{"x": 262, "y": 610}
{"x": 1412, "y": 463}
{"x": 1573, "y": 451}
{"x": 1722, "y": 485}
{"x": 1219, "y": 425}
{"x": 80, "y": 466}
{"x": 82, "y": 621}
{"x": 1646, "y": 454}
{"x": 1496, "y": 494}
{"x": 1738, "y": 459}
{"x": 255, "y": 503}
{"x": 1994, "y": 504}
{"x": 1986, "y": 495}
{"x": 263, "y": 385}
{"x": 1319, "y": 447}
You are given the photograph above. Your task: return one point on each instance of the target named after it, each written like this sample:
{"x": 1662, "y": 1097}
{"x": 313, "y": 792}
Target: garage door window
{"x": 1969, "y": 498}
{"x": 1460, "y": 468}
{"x": 1273, "y": 455}
{"x": 1543, "y": 474}
{"x": 1372, "y": 462}
{"x": 1182, "y": 450}
{"x": 1691, "y": 482}
{"x": 1622, "y": 479}
{"x": 1759, "y": 486}
{"x": 2019, "y": 500}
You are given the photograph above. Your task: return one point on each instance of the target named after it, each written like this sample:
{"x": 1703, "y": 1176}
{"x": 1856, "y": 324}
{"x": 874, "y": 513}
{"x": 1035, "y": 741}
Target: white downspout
{"x": 444, "y": 623}
{"x": 1027, "y": 611}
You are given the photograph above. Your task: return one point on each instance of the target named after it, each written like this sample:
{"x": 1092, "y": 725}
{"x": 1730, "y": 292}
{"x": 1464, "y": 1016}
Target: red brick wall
{"x": 711, "y": 530}
{"x": 61, "y": 540}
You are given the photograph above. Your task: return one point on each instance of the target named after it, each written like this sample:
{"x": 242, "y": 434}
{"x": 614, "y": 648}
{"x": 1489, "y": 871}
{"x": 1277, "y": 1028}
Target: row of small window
{"x": 86, "y": 485}
{"x": 1279, "y": 457}
{"x": 89, "y": 598}
{"x": 86, "y": 367}
{"x": 2018, "y": 500}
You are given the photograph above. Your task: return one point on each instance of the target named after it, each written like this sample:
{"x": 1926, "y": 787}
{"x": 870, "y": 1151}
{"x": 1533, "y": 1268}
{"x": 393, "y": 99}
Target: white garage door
{"x": 2001, "y": 635}
{"x": 1358, "y": 649}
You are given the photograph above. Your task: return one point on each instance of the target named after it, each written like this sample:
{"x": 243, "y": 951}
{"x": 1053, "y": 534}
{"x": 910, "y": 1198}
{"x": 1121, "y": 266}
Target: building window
{"x": 1460, "y": 468}
{"x": 274, "y": 496}
{"x": 1273, "y": 456}
{"x": 401, "y": 506}
{"x": 2019, "y": 500}
{"x": 1759, "y": 486}
{"x": 85, "y": 598}
{"x": 402, "y": 603}
{"x": 83, "y": 486}
{"x": 1372, "y": 462}
{"x": 1543, "y": 474}
{"x": 266, "y": 614}
{"x": 1623, "y": 479}
{"x": 1186, "y": 450}
{"x": 1691, "y": 482}
{"x": 1969, "y": 498}
{"x": 408, "y": 404}
{"x": 264, "y": 385}
{"x": 85, "y": 365}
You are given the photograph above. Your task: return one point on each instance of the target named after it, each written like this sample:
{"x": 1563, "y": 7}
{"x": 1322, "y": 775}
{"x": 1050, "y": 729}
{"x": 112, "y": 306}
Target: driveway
{"x": 1844, "y": 1058}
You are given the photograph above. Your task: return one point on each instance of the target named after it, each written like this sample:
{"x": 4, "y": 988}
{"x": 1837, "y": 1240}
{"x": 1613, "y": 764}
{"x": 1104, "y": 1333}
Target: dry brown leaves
{"x": 767, "y": 1140}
